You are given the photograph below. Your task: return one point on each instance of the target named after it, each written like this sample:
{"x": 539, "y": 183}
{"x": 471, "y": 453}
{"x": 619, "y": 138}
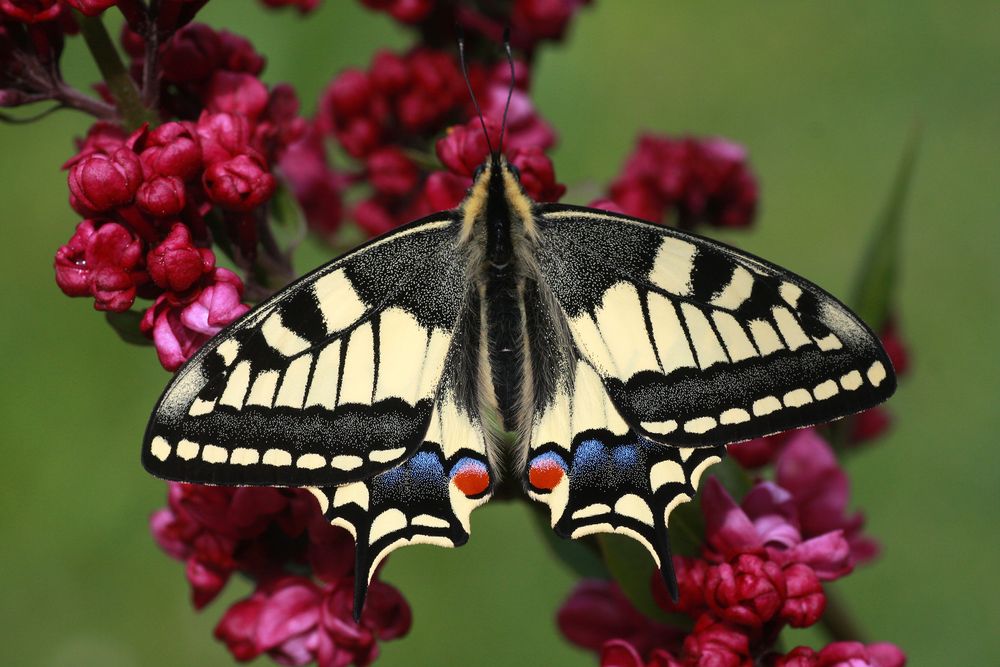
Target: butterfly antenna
{"x": 510, "y": 91}
{"x": 475, "y": 102}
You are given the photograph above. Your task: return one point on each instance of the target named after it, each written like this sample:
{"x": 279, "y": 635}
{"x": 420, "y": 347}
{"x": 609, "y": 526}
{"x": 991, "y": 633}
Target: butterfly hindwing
{"x": 330, "y": 381}
{"x": 426, "y": 499}
{"x": 700, "y": 344}
{"x": 597, "y": 475}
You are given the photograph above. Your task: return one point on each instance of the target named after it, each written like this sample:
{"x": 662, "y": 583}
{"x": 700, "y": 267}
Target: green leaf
{"x": 631, "y": 566}
{"x": 580, "y": 556}
{"x": 289, "y": 228}
{"x": 875, "y": 285}
{"x": 126, "y": 325}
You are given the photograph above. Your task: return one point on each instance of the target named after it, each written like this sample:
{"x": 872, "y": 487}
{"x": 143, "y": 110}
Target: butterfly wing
{"x": 330, "y": 381}
{"x": 598, "y": 475}
{"x": 700, "y": 344}
{"x": 426, "y": 499}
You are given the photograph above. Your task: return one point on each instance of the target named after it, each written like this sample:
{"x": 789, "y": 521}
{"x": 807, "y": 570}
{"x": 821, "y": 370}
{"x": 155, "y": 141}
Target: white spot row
{"x": 244, "y": 456}
{"x": 795, "y": 398}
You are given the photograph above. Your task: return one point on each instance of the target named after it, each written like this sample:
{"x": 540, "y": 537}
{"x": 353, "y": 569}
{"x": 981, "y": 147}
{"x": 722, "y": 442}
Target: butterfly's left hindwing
{"x": 330, "y": 381}
{"x": 597, "y": 475}
{"x": 697, "y": 343}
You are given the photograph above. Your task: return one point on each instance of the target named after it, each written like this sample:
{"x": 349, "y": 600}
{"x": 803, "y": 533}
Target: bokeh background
{"x": 823, "y": 95}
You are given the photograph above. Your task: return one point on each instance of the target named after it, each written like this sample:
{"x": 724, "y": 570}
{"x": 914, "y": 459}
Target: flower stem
{"x": 838, "y": 622}
{"x": 126, "y": 96}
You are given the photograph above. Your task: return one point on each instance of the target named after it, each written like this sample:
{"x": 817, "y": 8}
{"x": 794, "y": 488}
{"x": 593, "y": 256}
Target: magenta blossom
{"x": 766, "y": 522}
{"x": 102, "y": 260}
{"x": 179, "y": 329}
{"x": 597, "y": 612}
{"x": 808, "y": 469}
{"x": 297, "y": 622}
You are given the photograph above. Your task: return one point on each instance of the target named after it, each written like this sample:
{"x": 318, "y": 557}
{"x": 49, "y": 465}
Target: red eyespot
{"x": 471, "y": 479}
{"x": 545, "y": 473}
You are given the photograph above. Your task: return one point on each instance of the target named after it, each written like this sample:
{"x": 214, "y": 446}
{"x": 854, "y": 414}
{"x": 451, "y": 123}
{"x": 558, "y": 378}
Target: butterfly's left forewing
{"x": 699, "y": 344}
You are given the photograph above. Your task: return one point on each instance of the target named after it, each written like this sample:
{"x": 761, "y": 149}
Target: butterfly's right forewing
{"x": 331, "y": 381}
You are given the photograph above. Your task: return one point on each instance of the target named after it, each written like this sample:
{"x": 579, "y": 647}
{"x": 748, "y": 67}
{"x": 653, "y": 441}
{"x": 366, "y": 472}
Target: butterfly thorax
{"x": 498, "y": 228}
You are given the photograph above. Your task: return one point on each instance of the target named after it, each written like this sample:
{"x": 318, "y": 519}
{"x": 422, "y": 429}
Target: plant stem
{"x": 151, "y": 64}
{"x": 838, "y": 622}
{"x": 130, "y": 106}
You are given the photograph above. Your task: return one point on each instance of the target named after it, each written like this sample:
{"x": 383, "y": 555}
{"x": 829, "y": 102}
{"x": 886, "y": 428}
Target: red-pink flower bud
{"x": 800, "y": 656}
{"x": 373, "y": 217}
{"x": 100, "y": 182}
{"x": 241, "y": 184}
{"x": 192, "y": 54}
{"x": 304, "y": 6}
{"x": 103, "y": 262}
{"x": 538, "y": 177}
{"x": 856, "y": 654}
{"x": 172, "y": 149}
{"x": 392, "y": 173}
{"x": 237, "y": 628}
{"x": 349, "y": 93}
{"x": 314, "y": 183}
{"x": 748, "y": 592}
{"x": 176, "y": 264}
{"x": 405, "y": 11}
{"x": 236, "y": 93}
{"x": 161, "y": 197}
{"x": 238, "y": 54}
{"x": 223, "y": 136}
{"x": 31, "y": 11}
{"x": 717, "y": 644}
{"x": 91, "y": 7}
{"x": 389, "y": 73}
{"x": 444, "y": 190}
{"x": 464, "y": 147}
{"x": 805, "y": 601}
{"x": 542, "y": 19}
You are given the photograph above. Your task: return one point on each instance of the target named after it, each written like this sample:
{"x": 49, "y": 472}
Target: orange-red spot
{"x": 472, "y": 480}
{"x": 545, "y": 474}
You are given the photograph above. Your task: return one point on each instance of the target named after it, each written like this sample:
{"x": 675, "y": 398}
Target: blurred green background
{"x": 822, "y": 94}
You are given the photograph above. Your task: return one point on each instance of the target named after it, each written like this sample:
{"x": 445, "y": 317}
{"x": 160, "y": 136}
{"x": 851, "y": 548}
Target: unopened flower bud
{"x": 176, "y": 264}
{"x": 240, "y": 184}
{"x": 161, "y": 197}
{"x": 100, "y": 182}
{"x": 173, "y": 149}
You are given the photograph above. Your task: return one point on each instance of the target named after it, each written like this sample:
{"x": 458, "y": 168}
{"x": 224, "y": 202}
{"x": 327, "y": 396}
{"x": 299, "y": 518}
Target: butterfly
{"x": 620, "y": 357}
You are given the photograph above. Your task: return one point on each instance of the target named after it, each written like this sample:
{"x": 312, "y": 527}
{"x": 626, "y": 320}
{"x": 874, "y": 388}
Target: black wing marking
{"x": 330, "y": 381}
{"x": 700, "y": 344}
{"x": 597, "y": 475}
{"x": 425, "y": 500}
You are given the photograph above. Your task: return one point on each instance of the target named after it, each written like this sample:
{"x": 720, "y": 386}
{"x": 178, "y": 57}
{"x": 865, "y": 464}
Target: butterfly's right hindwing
{"x": 330, "y": 381}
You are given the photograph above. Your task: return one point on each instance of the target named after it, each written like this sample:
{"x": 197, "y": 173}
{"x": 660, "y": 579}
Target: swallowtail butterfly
{"x": 622, "y": 354}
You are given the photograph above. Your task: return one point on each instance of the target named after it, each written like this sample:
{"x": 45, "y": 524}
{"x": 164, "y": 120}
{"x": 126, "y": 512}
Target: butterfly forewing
{"x": 699, "y": 344}
{"x": 333, "y": 380}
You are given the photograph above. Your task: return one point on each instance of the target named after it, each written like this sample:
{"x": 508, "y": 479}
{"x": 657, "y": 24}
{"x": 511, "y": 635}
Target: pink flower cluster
{"x": 761, "y": 569}
{"x": 155, "y": 200}
{"x": 685, "y": 182}
{"x": 392, "y": 118}
{"x": 530, "y": 21}
{"x": 267, "y": 534}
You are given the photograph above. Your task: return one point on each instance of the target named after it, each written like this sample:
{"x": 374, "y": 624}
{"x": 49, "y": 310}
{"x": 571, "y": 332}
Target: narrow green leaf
{"x": 126, "y": 325}
{"x": 289, "y": 228}
{"x": 875, "y": 285}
